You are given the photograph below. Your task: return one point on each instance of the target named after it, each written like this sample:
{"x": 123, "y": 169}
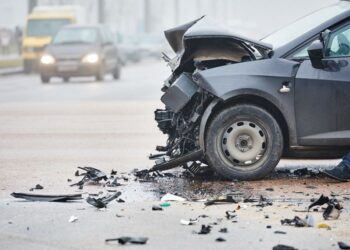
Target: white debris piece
{"x": 188, "y": 222}
{"x": 172, "y": 197}
{"x": 73, "y": 219}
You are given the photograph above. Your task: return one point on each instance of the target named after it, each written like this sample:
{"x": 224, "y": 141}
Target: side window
{"x": 301, "y": 53}
{"x": 339, "y": 43}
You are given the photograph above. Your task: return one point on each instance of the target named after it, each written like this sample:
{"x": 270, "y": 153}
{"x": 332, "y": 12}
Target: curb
{"x": 11, "y": 71}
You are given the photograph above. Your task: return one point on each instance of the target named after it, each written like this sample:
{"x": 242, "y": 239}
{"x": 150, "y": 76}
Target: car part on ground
{"x": 132, "y": 240}
{"x": 333, "y": 207}
{"x": 102, "y": 201}
{"x": 91, "y": 174}
{"x": 50, "y": 198}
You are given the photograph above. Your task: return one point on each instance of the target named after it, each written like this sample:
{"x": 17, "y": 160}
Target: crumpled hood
{"x": 71, "y": 51}
{"x": 205, "y": 28}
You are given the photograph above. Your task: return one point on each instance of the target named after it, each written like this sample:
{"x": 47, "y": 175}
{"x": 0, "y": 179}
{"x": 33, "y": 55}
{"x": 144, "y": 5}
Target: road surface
{"x": 48, "y": 130}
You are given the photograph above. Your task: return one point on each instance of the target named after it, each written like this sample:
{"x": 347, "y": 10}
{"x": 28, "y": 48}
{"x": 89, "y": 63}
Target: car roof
{"x": 345, "y": 4}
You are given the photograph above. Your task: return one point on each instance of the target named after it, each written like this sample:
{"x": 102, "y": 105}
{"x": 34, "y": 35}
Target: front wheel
{"x": 45, "y": 79}
{"x": 243, "y": 142}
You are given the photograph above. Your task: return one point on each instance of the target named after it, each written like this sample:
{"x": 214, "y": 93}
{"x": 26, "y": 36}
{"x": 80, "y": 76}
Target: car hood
{"x": 71, "y": 51}
{"x": 205, "y": 28}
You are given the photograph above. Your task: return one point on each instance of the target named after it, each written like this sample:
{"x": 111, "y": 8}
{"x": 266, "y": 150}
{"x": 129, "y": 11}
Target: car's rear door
{"x": 322, "y": 96}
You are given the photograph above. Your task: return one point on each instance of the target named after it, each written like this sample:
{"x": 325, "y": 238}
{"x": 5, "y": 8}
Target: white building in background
{"x": 255, "y": 18}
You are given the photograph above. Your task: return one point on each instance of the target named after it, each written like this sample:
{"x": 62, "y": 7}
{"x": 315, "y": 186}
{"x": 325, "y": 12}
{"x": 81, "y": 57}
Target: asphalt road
{"x": 46, "y": 131}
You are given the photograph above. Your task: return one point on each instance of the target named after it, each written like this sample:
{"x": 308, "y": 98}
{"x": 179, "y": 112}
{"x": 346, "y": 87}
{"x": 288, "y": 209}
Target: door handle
{"x": 285, "y": 88}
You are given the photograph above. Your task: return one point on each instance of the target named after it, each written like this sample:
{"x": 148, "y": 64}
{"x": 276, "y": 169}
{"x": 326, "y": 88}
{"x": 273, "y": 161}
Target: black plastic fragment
{"x": 156, "y": 208}
{"x": 283, "y": 247}
{"x": 226, "y": 199}
{"x": 230, "y": 215}
{"x": 132, "y": 240}
{"x": 39, "y": 187}
{"x": 91, "y": 174}
{"x": 205, "y": 229}
{"x": 296, "y": 221}
{"x": 223, "y": 230}
{"x": 49, "y": 198}
{"x": 343, "y": 245}
{"x": 280, "y": 232}
{"x": 321, "y": 201}
{"x": 220, "y": 239}
{"x": 103, "y": 201}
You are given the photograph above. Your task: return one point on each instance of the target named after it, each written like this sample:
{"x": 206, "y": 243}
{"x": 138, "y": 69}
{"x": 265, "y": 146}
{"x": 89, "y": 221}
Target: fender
{"x": 262, "y": 79}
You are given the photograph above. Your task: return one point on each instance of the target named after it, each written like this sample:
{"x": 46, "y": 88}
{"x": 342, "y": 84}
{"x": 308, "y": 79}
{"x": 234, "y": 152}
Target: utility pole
{"x": 31, "y": 5}
{"x": 147, "y": 16}
{"x": 101, "y": 11}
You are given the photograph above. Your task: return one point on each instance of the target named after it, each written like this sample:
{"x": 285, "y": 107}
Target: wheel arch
{"x": 217, "y": 105}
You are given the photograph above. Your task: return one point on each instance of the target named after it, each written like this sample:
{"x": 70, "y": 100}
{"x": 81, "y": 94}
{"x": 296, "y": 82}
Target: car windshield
{"x": 303, "y": 25}
{"x": 45, "y": 27}
{"x": 76, "y": 35}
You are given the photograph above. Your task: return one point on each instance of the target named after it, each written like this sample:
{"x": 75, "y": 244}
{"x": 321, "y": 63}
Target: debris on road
{"x": 230, "y": 214}
{"x": 39, "y": 187}
{"x": 283, "y": 247}
{"x": 102, "y": 201}
{"x": 204, "y": 229}
{"x": 333, "y": 209}
{"x": 165, "y": 204}
{"x": 172, "y": 197}
{"x": 223, "y": 230}
{"x": 223, "y": 199}
{"x": 220, "y": 239}
{"x": 72, "y": 219}
{"x": 132, "y": 240}
{"x": 156, "y": 208}
{"x": 280, "y": 232}
{"x": 189, "y": 222}
{"x": 342, "y": 245}
{"x": 324, "y": 225}
{"x": 296, "y": 222}
{"x": 91, "y": 174}
{"x": 49, "y": 198}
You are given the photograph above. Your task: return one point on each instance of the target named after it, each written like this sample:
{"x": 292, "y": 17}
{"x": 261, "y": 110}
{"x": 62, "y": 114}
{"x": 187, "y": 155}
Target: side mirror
{"x": 315, "y": 52}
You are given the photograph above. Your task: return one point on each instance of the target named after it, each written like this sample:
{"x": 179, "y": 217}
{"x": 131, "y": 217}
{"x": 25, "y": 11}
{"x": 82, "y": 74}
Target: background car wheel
{"x": 243, "y": 142}
{"x": 100, "y": 75}
{"x": 66, "y": 79}
{"x": 45, "y": 79}
{"x": 116, "y": 72}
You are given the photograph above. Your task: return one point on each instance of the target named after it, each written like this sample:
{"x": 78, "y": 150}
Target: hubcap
{"x": 244, "y": 143}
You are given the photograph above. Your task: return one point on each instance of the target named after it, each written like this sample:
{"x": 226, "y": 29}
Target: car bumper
{"x": 70, "y": 69}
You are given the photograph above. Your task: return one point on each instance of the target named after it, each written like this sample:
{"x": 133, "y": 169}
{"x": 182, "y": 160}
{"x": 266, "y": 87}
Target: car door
{"x": 322, "y": 96}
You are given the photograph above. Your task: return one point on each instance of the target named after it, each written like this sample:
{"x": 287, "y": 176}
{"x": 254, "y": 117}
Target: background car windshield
{"x": 303, "y": 25}
{"x": 47, "y": 27}
{"x": 76, "y": 35}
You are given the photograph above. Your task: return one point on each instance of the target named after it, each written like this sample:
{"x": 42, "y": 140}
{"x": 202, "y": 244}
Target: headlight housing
{"x": 47, "y": 59}
{"x": 91, "y": 58}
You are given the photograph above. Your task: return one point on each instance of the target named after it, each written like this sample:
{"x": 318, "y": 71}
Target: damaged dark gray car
{"x": 239, "y": 105}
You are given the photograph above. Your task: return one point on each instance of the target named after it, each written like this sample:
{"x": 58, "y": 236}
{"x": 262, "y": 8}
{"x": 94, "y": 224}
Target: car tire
{"x": 243, "y": 142}
{"x": 116, "y": 72}
{"x": 100, "y": 74}
{"x": 66, "y": 79}
{"x": 45, "y": 79}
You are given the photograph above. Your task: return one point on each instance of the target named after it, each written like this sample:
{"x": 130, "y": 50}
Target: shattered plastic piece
{"x": 283, "y": 247}
{"x": 263, "y": 202}
{"x": 321, "y": 201}
{"x": 165, "y": 204}
{"x": 223, "y": 230}
{"x": 38, "y": 186}
{"x": 72, "y": 219}
{"x": 225, "y": 199}
{"x": 77, "y": 173}
{"x": 171, "y": 197}
{"x": 121, "y": 201}
{"x": 324, "y": 225}
{"x": 230, "y": 215}
{"x": 132, "y": 240}
{"x": 189, "y": 222}
{"x": 310, "y": 221}
{"x": 103, "y": 201}
{"x": 280, "y": 232}
{"x": 342, "y": 245}
{"x": 297, "y": 222}
{"x": 91, "y": 174}
{"x": 220, "y": 239}
{"x": 156, "y": 208}
{"x": 205, "y": 229}
{"x": 333, "y": 209}
{"x": 268, "y": 226}
{"x": 50, "y": 198}
{"x": 113, "y": 172}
